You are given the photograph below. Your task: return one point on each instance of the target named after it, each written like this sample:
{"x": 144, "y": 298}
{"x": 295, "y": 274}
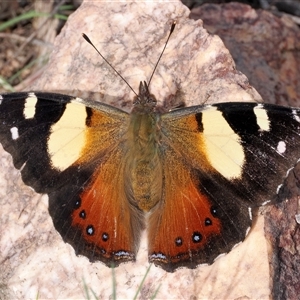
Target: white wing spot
{"x": 266, "y": 202}
{"x": 29, "y": 107}
{"x": 90, "y": 230}
{"x": 278, "y": 188}
{"x": 262, "y": 118}
{"x": 1, "y": 98}
{"x": 296, "y": 117}
{"x": 14, "y": 133}
{"x": 250, "y": 213}
{"x": 158, "y": 256}
{"x": 281, "y": 147}
{"x": 122, "y": 253}
{"x": 297, "y": 217}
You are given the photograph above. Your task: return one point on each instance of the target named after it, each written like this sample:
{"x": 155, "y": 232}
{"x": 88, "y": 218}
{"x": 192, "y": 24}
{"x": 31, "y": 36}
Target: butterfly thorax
{"x": 143, "y": 167}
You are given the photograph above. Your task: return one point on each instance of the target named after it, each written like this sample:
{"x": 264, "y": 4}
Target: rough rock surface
{"x": 265, "y": 47}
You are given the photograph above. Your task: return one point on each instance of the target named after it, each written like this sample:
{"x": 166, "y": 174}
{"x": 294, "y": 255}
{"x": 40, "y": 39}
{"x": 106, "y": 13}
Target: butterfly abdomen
{"x": 143, "y": 169}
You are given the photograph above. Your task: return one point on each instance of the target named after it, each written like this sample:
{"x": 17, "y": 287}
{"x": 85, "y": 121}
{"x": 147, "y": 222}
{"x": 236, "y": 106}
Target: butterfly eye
{"x": 82, "y": 214}
{"x": 77, "y": 204}
{"x": 178, "y": 241}
{"x": 105, "y": 237}
{"x": 213, "y": 211}
{"x": 208, "y": 222}
{"x": 90, "y": 230}
{"x": 197, "y": 237}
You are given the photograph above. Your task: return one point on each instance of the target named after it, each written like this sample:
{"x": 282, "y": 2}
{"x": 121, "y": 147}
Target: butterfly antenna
{"x": 90, "y": 42}
{"x": 171, "y": 31}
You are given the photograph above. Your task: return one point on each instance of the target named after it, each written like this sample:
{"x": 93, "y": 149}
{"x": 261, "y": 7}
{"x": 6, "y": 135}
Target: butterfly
{"x": 192, "y": 177}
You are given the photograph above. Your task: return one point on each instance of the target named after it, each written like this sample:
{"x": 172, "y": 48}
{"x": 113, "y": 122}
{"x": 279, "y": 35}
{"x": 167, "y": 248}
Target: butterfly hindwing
{"x": 96, "y": 219}
{"x": 191, "y": 226}
{"x": 72, "y": 150}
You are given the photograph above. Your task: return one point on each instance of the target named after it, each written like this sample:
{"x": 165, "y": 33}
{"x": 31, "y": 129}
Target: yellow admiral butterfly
{"x": 193, "y": 177}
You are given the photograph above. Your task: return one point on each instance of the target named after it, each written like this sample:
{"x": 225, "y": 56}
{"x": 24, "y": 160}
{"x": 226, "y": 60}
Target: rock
{"x": 265, "y": 47}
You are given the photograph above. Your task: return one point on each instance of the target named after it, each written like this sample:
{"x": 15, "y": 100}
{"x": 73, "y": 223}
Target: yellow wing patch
{"x": 210, "y": 143}
{"x": 67, "y": 138}
{"x": 222, "y": 145}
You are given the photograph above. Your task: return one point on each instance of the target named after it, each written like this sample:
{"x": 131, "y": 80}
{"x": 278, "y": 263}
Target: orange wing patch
{"x": 105, "y": 217}
{"x": 195, "y": 220}
{"x": 183, "y": 223}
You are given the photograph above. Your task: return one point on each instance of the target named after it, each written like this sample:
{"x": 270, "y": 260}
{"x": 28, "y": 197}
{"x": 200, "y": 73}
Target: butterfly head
{"x": 144, "y": 102}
